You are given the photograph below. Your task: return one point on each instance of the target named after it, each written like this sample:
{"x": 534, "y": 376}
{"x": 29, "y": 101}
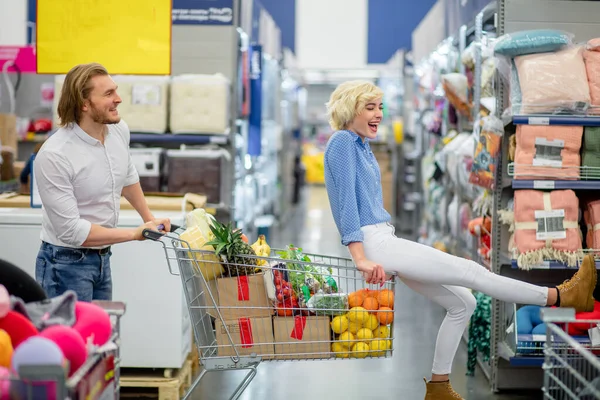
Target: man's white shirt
{"x": 80, "y": 182}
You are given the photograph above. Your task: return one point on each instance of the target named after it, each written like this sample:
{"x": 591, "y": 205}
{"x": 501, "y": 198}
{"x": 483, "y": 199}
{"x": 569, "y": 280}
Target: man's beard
{"x": 100, "y": 117}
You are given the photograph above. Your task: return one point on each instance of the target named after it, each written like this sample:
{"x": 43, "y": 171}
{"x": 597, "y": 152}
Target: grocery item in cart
{"x": 243, "y": 297}
{"x": 207, "y": 262}
{"x": 6, "y": 349}
{"x": 301, "y": 337}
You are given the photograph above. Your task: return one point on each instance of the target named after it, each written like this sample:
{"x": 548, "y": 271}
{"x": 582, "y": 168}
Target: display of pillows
{"x": 553, "y": 82}
{"x": 531, "y": 42}
{"x": 591, "y": 55}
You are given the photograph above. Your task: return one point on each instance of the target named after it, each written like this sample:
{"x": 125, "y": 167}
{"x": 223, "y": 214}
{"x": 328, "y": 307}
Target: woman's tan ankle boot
{"x": 578, "y": 292}
{"x": 440, "y": 391}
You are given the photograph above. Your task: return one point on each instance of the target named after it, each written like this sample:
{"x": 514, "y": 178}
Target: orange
{"x": 385, "y": 315}
{"x": 356, "y": 299}
{"x": 371, "y": 304}
{"x": 386, "y": 298}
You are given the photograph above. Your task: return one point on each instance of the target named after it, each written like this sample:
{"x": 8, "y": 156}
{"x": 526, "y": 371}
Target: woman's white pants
{"x": 444, "y": 278}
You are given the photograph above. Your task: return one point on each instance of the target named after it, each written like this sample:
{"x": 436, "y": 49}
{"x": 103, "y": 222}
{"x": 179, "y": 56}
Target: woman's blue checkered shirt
{"x": 353, "y": 182}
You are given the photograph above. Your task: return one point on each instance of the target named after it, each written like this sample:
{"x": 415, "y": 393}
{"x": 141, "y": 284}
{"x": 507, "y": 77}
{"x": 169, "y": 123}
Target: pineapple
{"x": 228, "y": 243}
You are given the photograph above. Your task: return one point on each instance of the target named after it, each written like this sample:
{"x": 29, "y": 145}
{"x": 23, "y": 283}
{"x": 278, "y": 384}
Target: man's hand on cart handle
{"x": 160, "y": 231}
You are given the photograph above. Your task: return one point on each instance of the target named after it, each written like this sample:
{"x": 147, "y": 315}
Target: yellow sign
{"x": 126, "y": 36}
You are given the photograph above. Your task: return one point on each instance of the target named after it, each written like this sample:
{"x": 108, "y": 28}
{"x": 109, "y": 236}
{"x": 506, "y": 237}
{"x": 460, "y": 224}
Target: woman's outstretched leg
{"x": 427, "y": 265}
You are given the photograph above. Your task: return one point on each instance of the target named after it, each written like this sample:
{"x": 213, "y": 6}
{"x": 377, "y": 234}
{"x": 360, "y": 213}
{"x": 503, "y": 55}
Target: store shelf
{"x": 551, "y": 185}
{"x": 576, "y": 120}
{"x": 553, "y": 177}
{"x": 515, "y": 360}
{"x": 179, "y": 139}
{"x": 550, "y": 265}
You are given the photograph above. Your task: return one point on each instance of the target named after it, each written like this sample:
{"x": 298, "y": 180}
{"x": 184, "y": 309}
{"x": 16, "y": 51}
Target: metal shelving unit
{"x": 509, "y": 369}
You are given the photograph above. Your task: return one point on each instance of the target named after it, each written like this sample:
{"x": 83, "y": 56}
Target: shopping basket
{"x": 97, "y": 378}
{"x": 571, "y": 364}
{"x": 290, "y": 306}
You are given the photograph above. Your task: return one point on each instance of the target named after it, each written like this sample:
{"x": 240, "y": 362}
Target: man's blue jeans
{"x": 84, "y": 271}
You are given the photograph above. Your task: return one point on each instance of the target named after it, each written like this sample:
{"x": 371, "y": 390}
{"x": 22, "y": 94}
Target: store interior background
{"x": 271, "y": 182}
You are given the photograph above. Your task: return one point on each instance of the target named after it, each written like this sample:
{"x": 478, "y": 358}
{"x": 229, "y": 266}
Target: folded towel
{"x": 590, "y": 155}
{"x": 591, "y": 56}
{"x": 592, "y": 209}
{"x": 548, "y": 152}
{"x": 546, "y": 227}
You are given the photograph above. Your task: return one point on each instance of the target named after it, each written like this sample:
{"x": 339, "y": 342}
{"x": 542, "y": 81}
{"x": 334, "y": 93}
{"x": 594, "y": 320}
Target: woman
{"x": 353, "y": 182}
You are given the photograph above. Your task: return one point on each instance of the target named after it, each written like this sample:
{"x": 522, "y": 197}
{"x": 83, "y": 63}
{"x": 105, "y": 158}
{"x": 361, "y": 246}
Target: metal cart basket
{"x": 97, "y": 378}
{"x": 288, "y": 306}
{"x": 571, "y": 364}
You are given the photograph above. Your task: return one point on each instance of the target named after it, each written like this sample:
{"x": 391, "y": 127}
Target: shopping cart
{"x": 97, "y": 378}
{"x": 290, "y": 306}
{"x": 571, "y": 364}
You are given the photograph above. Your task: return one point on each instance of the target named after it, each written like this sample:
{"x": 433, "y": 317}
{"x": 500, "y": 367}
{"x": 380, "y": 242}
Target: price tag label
{"x": 218, "y": 139}
{"x": 539, "y": 121}
{"x": 548, "y": 153}
{"x": 543, "y": 184}
{"x": 543, "y": 265}
{"x": 550, "y": 225}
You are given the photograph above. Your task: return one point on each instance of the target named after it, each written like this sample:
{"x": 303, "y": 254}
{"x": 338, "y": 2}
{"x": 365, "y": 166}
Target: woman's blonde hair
{"x": 348, "y": 100}
{"x": 76, "y": 89}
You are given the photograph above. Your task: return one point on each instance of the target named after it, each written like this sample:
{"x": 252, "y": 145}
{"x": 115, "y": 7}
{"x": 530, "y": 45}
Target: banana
{"x": 262, "y": 249}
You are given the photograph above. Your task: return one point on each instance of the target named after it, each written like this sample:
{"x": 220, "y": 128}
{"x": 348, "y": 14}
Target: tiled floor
{"x": 400, "y": 377}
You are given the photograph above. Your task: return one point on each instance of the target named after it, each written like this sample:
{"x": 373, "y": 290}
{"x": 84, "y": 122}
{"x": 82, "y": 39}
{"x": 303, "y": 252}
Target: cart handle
{"x": 156, "y": 235}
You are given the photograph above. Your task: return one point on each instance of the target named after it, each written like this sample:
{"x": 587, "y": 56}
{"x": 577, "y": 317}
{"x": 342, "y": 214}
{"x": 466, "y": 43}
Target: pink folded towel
{"x": 591, "y": 215}
{"x": 546, "y": 227}
{"x": 548, "y": 152}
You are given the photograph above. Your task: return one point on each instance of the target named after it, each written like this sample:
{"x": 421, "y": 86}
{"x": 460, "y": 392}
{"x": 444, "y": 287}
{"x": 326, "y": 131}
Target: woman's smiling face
{"x": 366, "y": 123}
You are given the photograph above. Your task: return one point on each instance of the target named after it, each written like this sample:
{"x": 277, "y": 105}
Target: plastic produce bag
{"x": 197, "y": 234}
{"x": 202, "y": 220}
{"x": 485, "y": 162}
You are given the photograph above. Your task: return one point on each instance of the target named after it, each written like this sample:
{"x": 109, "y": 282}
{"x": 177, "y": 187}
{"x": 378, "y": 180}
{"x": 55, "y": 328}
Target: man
{"x": 81, "y": 172}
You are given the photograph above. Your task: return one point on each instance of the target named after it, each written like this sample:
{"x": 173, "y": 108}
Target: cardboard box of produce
{"x": 249, "y": 336}
{"x": 244, "y": 296}
{"x": 301, "y": 336}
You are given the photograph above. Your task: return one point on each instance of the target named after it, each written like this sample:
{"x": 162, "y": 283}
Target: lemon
{"x": 389, "y": 344}
{"x": 364, "y": 334}
{"x": 378, "y": 348}
{"x": 339, "y": 324}
{"x": 354, "y": 327}
{"x": 360, "y": 350}
{"x": 372, "y": 323}
{"x": 346, "y": 339}
{"x": 339, "y": 350}
{"x": 358, "y": 314}
{"x": 383, "y": 332}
